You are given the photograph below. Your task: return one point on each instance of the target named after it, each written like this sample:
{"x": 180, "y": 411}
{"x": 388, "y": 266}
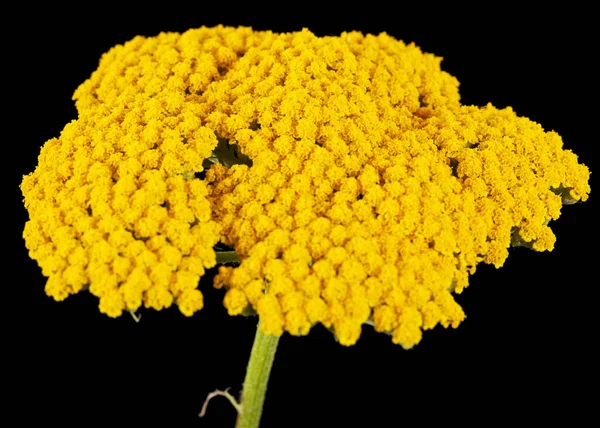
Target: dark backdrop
{"x": 524, "y": 352}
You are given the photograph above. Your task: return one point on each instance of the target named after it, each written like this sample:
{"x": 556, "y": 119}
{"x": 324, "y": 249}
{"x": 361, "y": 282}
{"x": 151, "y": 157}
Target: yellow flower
{"x": 344, "y": 172}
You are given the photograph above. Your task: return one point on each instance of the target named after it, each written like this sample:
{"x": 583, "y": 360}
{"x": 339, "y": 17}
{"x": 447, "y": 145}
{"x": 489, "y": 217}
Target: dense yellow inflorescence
{"x": 370, "y": 196}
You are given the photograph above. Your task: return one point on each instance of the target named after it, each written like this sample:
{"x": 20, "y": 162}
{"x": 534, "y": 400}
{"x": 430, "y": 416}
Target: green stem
{"x": 227, "y": 257}
{"x": 257, "y": 377}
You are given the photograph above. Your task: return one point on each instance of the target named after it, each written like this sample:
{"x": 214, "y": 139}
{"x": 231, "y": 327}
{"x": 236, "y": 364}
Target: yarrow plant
{"x": 341, "y": 174}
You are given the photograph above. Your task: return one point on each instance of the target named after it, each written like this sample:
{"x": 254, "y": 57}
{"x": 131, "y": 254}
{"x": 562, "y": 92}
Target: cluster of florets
{"x": 344, "y": 172}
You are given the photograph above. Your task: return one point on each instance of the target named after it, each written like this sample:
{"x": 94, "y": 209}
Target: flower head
{"x": 367, "y": 194}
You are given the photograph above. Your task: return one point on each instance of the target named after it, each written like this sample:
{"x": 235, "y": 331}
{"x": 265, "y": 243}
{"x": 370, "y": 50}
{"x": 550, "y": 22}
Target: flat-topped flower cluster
{"x": 344, "y": 172}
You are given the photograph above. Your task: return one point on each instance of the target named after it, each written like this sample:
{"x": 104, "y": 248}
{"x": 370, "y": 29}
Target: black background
{"x": 524, "y": 352}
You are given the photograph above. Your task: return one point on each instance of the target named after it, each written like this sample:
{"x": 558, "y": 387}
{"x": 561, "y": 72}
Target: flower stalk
{"x": 227, "y": 257}
{"x": 257, "y": 378}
